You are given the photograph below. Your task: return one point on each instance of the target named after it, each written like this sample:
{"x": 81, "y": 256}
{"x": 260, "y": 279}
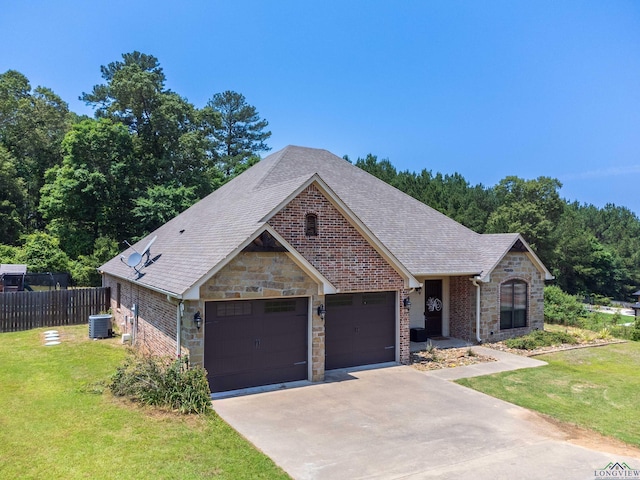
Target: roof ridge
{"x": 277, "y": 156}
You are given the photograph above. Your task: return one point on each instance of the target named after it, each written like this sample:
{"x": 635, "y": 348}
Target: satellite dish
{"x": 134, "y": 259}
{"x": 146, "y": 249}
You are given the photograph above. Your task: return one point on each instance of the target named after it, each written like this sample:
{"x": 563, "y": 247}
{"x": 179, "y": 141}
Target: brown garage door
{"x": 360, "y": 329}
{"x": 255, "y": 342}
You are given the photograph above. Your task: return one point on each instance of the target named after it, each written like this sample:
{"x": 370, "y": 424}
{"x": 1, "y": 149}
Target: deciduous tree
{"x": 90, "y": 194}
{"x": 530, "y": 207}
{"x": 12, "y": 199}
{"x": 32, "y": 126}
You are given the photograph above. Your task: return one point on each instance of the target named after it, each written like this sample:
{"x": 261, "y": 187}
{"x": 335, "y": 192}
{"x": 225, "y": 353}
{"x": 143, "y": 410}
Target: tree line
{"x": 73, "y": 188}
{"x": 590, "y": 250}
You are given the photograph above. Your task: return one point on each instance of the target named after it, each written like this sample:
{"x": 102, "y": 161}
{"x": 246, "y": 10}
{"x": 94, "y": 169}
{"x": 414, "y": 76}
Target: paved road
{"x": 398, "y": 423}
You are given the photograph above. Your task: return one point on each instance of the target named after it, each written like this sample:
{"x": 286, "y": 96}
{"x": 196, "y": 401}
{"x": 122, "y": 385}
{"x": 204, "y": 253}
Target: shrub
{"x": 540, "y": 338}
{"x": 601, "y": 300}
{"x": 604, "y": 334}
{"x": 561, "y": 308}
{"x": 616, "y": 318}
{"x": 160, "y": 382}
{"x": 635, "y": 333}
{"x": 41, "y": 252}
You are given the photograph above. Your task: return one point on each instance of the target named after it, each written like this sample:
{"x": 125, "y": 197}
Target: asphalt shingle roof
{"x": 424, "y": 240}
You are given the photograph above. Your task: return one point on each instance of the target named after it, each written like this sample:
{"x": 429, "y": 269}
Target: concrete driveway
{"x": 399, "y": 423}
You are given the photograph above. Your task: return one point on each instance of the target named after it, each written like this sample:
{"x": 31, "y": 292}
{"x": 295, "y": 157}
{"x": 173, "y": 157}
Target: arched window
{"x": 311, "y": 225}
{"x": 513, "y": 304}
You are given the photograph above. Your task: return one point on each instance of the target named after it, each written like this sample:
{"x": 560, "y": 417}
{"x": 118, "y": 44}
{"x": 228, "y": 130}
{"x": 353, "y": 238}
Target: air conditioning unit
{"x": 100, "y": 326}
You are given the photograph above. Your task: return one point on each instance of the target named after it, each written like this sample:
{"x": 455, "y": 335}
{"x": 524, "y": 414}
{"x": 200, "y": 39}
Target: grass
{"x": 595, "y": 388}
{"x": 615, "y": 323}
{"x": 56, "y": 420}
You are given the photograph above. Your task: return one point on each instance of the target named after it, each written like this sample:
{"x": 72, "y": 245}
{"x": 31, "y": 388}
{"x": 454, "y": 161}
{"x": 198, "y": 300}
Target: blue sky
{"x": 483, "y": 88}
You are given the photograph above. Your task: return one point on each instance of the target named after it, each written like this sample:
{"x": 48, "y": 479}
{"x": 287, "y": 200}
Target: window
{"x": 513, "y": 304}
{"x": 374, "y": 298}
{"x": 118, "y": 295}
{"x": 277, "y": 306}
{"x": 337, "y": 300}
{"x": 233, "y": 309}
{"x": 311, "y": 225}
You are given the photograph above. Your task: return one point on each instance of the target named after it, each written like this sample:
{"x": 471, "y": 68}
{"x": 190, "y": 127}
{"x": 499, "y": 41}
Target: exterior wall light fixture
{"x": 321, "y": 311}
{"x": 197, "y": 319}
{"x": 407, "y": 303}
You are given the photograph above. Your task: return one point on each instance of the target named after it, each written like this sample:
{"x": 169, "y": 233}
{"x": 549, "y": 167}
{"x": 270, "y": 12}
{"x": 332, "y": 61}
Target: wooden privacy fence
{"x": 26, "y": 310}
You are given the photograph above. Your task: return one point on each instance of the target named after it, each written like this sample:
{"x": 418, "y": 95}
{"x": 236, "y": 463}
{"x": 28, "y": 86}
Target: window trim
{"x": 512, "y": 282}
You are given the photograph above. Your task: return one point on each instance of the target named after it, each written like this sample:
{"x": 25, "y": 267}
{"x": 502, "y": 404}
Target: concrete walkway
{"x": 505, "y": 362}
{"x": 400, "y": 423}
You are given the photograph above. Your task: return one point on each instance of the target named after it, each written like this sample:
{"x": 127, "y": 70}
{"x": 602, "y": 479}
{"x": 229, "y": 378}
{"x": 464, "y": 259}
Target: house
{"x": 305, "y": 263}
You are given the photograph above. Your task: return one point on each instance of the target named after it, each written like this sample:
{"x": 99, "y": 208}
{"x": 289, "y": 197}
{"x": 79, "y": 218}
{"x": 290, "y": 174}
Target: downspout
{"x": 474, "y": 280}
{"x": 179, "y": 311}
{"x": 179, "y": 315}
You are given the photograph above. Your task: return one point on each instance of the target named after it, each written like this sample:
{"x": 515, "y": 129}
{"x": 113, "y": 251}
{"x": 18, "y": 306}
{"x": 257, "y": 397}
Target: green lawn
{"x": 597, "y": 388}
{"x": 56, "y": 423}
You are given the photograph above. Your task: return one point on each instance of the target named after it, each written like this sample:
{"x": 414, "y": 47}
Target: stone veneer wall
{"x": 156, "y": 326}
{"x": 340, "y": 252}
{"x": 462, "y": 308}
{"x": 514, "y": 265}
{"x": 254, "y": 275}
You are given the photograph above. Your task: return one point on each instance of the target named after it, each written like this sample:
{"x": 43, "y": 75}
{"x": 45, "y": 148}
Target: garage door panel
{"x": 377, "y": 355}
{"x": 289, "y": 373}
{"x": 360, "y": 329}
{"x": 232, "y": 381}
{"x": 268, "y": 345}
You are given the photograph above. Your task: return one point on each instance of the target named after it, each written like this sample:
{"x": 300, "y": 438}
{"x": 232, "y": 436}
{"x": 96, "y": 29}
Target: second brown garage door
{"x": 360, "y": 329}
{"x": 250, "y": 343}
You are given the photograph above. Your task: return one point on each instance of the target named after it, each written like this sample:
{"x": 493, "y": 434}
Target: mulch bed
{"x": 596, "y": 342}
{"x": 460, "y": 357}
{"x": 447, "y": 358}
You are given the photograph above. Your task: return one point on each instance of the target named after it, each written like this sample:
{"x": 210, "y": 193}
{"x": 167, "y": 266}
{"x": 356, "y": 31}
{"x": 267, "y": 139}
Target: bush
{"x": 160, "y": 382}
{"x": 41, "y": 252}
{"x": 84, "y": 270}
{"x": 561, "y": 308}
{"x": 540, "y": 338}
{"x": 601, "y": 300}
{"x": 8, "y": 254}
{"x": 635, "y": 333}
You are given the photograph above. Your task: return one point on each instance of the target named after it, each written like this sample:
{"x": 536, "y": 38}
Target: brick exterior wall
{"x": 462, "y": 301}
{"x": 462, "y": 308}
{"x": 344, "y": 257}
{"x": 340, "y": 252}
{"x": 155, "y": 329}
{"x": 514, "y": 265}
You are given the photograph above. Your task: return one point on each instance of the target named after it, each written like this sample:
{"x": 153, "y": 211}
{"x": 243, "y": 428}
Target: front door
{"x": 433, "y": 308}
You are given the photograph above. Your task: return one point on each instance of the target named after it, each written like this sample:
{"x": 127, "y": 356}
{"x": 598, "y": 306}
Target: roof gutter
{"x": 177, "y": 296}
{"x": 474, "y": 280}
